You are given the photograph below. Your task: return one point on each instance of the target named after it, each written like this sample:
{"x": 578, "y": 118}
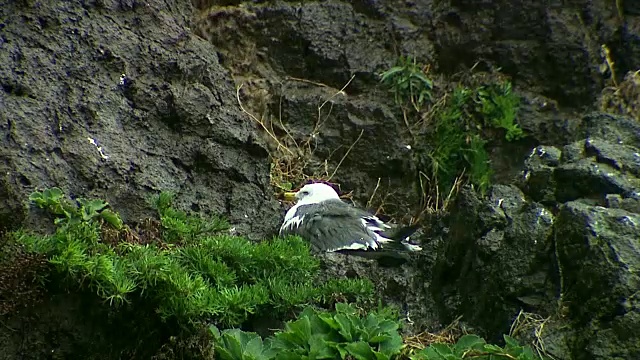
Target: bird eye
{"x": 305, "y": 193}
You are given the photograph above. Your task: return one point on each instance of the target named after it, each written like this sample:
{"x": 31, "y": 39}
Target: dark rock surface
{"x": 117, "y": 100}
{"x": 572, "y": 234}
{"x": 495, "y": 260}
{"x": 598, "y": 242}
{"x": 604, "y": 164}
{"x": 405, "y": 287}
{"x": 598, "y": 254}
{"x": 120, "y": 102}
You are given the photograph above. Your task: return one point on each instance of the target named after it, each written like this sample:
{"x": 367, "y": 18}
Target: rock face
{"x": 574, "y": 235}
{"x": 119, "y": 100}
{"x": 495, "y": 260}
{"x": 598, "y": 254}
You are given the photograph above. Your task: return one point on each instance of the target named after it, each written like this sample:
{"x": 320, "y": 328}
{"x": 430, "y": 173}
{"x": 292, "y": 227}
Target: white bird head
{"x": 315, "y": 193}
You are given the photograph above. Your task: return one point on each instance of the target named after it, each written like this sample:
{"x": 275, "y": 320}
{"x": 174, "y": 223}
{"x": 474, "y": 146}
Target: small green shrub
{"x": 452, "y": 136}
{"x": 343, "y": 334}
{"x": 408, "y": 83}
{"x": 455, "y": 144}
{"x": 178, "y": 226}
{"x": 194, "y": 271}
{"x": 474, "y": 347}
{"x": 497, "y": 105}
{"x": 54, "y": 201}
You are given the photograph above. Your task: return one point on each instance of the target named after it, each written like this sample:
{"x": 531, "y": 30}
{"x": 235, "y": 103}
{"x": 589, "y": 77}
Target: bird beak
{"x": 290, "y": 196}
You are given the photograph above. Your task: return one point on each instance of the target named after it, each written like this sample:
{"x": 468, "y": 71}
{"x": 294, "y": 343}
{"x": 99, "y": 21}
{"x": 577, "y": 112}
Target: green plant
{"x": 179, "y": 226}
{"x": 408, "y": 82}
{"x": 452, "y": 149}
{"x": 54, "y": 201}
{"x": 343, "y": 334}
{"x": 474, "y": 347}
{"x": 498, "y": 106}
{"x": 235, "y": 344}
{"x": 193, "y": 272}
{"x": 477, "y": 158}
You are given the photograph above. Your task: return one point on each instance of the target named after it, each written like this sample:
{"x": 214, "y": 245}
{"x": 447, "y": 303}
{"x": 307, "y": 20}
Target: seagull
{"x": 331, "y": 225}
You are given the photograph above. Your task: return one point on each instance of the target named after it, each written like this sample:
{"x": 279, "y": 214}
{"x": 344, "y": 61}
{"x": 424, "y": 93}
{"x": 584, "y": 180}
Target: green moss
{"x": 193, "y": 271}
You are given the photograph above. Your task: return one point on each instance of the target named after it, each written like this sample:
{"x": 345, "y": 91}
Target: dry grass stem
{"x": 261, "y": 122}
{"x": 373, "y": 194}
{"x": 448, "y": 335}
{"x": 345, "y": 155}
{"x": 525, "y": 323}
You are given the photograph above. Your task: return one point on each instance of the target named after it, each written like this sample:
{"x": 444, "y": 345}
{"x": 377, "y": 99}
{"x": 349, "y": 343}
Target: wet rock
{"x": 363, "y": 137}
{"x": 616, "y": 201}
{"x": 587, "y": 178}
{"x": 606, "y": 163}
{"x": 613, "y": 128}
{"x": 596, "y": 235}
{"x": 598, "y": 250}
{"x": 624, "y": 158}
{"x": 538, "y": 174}
{"x": 495, "y": 260}
{"x": 406, "y": 287}
{"x": 120, "y": 106}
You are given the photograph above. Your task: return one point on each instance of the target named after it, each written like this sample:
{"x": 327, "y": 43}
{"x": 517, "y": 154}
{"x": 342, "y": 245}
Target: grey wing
{"x": 333, "y": 226}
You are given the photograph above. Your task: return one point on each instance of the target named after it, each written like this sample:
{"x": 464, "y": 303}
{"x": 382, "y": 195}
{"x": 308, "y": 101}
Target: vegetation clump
{"x": 451, "y": 135}
{"x": 408, "y": 82}
{"x": 475, "y": 347}
{"x": 194, "y": 271}
{"x": 347, "y": 334}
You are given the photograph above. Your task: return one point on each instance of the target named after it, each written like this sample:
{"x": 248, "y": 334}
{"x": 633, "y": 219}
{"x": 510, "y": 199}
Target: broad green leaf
{"x": 342, "y": 350}
{"x": 288, "y": 356}
{"x": 527, "y": 354}
{"x": 430, "y": 353}
{"x": 510, "y": 342}
{"x": 231, "y": 343}
{"x": 319, "y": 348}
{"x": 360, "y": 350}
{"x": 344, "y": 308}
{"x": 388, "y": 326}
{"x": 391, "y": 346}
{"x": 381, "y": 356}
{"x": 298, "y": 332}
{"x": 379, "y": 338}
{"x": 223, "y": 354}
{"x": 329, "y": 320}
{"x": 53, "y": 195}
{"x": 494, "y": 349}
{"x": 254, "y": 347}
{"x": 468, "y": 342}
{"x": 215, "y": 332}
{"x": 442, "y": 349}
{"x": 92, "y": 206}
{"x": 112, "y": 218}
{"x": 371, "y": 321}
{"x": 346, "y": 327}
